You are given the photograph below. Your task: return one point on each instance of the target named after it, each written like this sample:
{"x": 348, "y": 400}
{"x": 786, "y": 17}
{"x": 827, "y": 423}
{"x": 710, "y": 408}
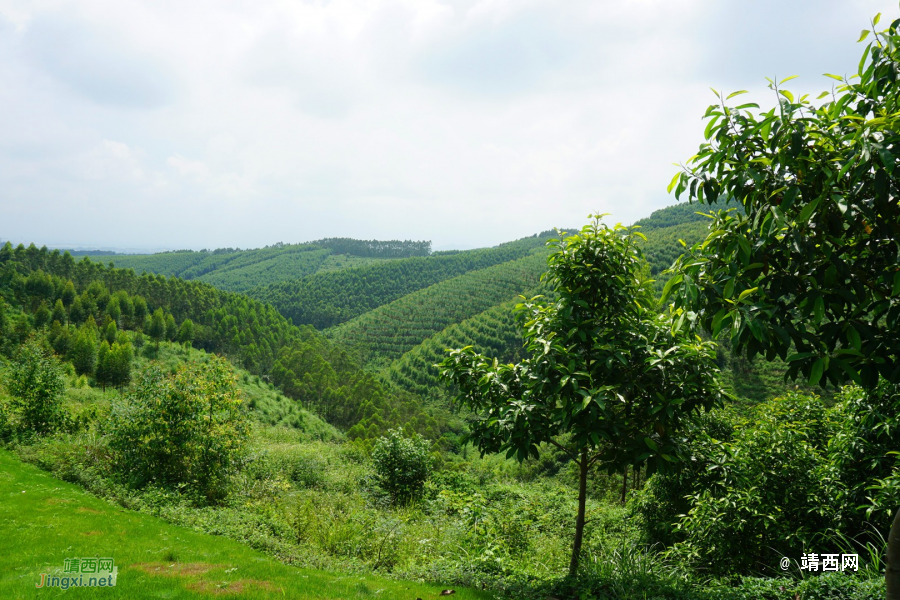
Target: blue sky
{"x": 215, "y": 123}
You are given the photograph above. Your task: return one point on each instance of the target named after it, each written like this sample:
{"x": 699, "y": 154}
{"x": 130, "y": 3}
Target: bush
{"x": 36, "y": 382}
{"x": 184, "y": 429}
{"x": 402, "y": 465}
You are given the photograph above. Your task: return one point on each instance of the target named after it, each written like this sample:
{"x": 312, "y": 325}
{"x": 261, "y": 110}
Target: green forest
{"x": 704, "y": 404}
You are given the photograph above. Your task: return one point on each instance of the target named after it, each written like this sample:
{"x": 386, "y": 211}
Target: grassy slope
{"x": 268, "y": 406}
{"x": 44, "y": 520}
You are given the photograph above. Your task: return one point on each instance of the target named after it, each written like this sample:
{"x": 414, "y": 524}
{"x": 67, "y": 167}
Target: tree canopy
{"x": 607, "y": 379}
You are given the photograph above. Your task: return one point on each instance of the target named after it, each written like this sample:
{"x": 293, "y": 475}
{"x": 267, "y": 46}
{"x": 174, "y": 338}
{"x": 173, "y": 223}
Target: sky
{"x": 163, "y": 124}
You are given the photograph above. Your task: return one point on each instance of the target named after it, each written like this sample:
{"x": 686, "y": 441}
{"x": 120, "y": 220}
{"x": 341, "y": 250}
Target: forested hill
{"x": 238, "y": 270}
{"x": 79, "y": 306}
{"x": 328, "y": 299}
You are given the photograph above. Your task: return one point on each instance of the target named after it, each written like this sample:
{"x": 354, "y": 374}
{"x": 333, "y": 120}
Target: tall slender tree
{"x": 608, "y": 380}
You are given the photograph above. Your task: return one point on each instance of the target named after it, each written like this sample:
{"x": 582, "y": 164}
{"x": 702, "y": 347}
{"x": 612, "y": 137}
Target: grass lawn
{"x": 44, "y": 521}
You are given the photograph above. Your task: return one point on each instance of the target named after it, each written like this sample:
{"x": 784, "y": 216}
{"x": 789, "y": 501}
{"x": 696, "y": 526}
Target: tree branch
{"x": 571, "y": 454}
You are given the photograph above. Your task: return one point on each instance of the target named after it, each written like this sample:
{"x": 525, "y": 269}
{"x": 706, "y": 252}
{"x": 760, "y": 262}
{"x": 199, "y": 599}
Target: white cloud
{"x": 467, "y": 122}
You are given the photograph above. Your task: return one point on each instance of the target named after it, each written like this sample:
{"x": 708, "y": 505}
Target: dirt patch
{"x": 231, "y": 587}
{"x": 176, "y": 569}
{"x": 91, "y": 533}
{"x": 85, "y": 509}
{"x": 54, "y": 501}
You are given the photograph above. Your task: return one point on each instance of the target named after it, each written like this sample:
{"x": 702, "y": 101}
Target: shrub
{"x": 185, "y": 429}
{"x": 36, "y": 382}
{"x": 402, "y": 465}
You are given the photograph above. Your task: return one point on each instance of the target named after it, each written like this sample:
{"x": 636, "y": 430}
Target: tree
{"x": 102, "y": 372}
{"x": 808, "y": 270}
{"x": 140, "y": 310}
{"x": 42, "y": 316}
{"x": 68, "y": 295}
{"x": 83, "y": 349}
{"x": 59, "y": 313}
{"x": 36, "y": 383}
{"x": 157, "y": 328}
{"x": 608, "y": 380}
{"x": 186, "y": 332}
{"x": 187, "y": 427}
{"x": 171, "y": 328}
{"x": 402, "y": 464}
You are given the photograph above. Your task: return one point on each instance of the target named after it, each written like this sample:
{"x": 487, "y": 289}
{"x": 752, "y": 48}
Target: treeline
{"x": 79, "y": 306}
{"x": 327, "y": 299}
{"x": 376, "y": 248}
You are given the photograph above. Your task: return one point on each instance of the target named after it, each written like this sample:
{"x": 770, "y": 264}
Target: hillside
{"x": 384, "y": 334}
{"x": 44, "y": 521}
{"x": 328, "y": 299}
{"x": 239, "y": 270}
{"x": 80, "y": 306}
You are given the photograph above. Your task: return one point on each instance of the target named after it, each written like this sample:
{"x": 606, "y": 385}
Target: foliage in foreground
{"x": 607, "y": 380}
{"x": 187, "y": 428}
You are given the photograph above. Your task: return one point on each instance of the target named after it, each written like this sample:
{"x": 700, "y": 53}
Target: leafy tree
{"x": 102, "y": 372}
{"x": 187, "y": 427}
{"x": 83, "y": 349}
{"x": 110, "y": 331}
{"x": 77, "y": 312}
{"x": 171, "y": 328}
{"x": 113, "y": 309}
{"x": 68, "y": 295}
{"x": 402, "y": 465}
{"x": 186, "y": 332}
{"x": 608, "y": 380}
{"x": 36, "y": 383}
{"x": 42, "y": 316}
{"x": 157, "y": 328}
{"x": 808, "y": 270}
{"x": 59, "y": 313}
{"x": 140, "y": 310}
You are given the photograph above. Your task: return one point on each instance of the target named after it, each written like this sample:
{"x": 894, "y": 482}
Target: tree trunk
{"x": 892, "y": 570}
{"x": 579, "y": 522}
{"x": 624, "y": 482}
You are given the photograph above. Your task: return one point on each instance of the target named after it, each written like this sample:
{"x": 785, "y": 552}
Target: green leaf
{"x": 896, "y": 289}
{"x": 808, "y": 210}
{"x": 841, "y": 79}
{"x": 787, "y": 94}
{"x": 853, "y": 337}
{"x": 670, "y": 285}
{"x": 709, "y": 127}
{"x": 876, "y": 19}
{"x": 863, "y": 35}
{"x": 733, "y": 94}
{"x": 746, "y": 293}
{"x": 786, "y": 79}
{"x": 819, "y": 310}
{"x": 818, "y": 369}
{"x": 673, "y": 183}
{"x": 651, "y": 444}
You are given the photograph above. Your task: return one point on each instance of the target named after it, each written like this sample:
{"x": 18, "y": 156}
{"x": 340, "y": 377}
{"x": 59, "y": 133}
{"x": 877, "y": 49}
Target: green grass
{"x": 44, "y": 520}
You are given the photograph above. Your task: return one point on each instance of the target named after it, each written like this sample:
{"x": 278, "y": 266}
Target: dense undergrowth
{"x": 309, "y": 497}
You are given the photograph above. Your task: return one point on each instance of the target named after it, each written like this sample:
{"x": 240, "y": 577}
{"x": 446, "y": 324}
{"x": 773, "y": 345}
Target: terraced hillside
{"x": 239, "y": 270}
{"x": 384, "y": 334}
{"x": 331, "y": 298}
{"x": 493, "y": 332}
